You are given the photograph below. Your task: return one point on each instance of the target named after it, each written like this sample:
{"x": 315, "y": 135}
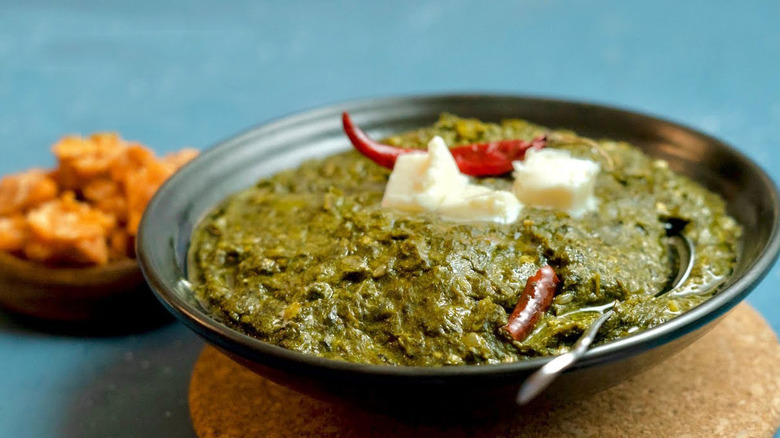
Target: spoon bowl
{"x": 544, "y": 376}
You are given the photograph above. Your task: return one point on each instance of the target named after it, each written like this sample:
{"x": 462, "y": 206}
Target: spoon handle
{"x": 541, "y": 378}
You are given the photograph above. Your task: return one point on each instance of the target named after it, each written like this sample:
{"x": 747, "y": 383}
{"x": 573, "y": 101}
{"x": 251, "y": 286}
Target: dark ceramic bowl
{"x": 237, "y": 163}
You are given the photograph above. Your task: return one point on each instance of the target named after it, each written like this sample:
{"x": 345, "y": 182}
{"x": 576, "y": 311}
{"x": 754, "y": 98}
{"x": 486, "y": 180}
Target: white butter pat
{"x": 478, "y": 203}
{"x": 422, "y": 182}
{"x": 552, "y": 178}
{"x": 432, "y": 182}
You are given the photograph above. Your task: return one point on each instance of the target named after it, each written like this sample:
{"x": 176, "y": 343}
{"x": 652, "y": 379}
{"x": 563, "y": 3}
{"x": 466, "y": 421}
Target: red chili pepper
{"x": 481, "y": 159}
{"x": 534, "y": 301}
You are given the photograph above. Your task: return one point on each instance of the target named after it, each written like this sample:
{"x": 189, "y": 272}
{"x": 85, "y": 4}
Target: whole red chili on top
{"x": 480, "y": 159}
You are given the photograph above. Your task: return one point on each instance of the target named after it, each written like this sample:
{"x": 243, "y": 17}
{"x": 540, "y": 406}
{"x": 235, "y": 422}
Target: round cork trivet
{"x": 727, "y": 384}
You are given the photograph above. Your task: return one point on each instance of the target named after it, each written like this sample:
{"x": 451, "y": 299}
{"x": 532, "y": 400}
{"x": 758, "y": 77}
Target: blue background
{"x": 174, "y": 74}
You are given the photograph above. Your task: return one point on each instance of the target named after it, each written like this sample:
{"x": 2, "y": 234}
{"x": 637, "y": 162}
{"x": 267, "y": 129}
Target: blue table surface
{"x": 174, "y": 74}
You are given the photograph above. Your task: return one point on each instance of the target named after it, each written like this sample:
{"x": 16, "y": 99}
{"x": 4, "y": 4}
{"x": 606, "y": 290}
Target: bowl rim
{"x": 36, "y": 272}
{"x": 233, "y": 341}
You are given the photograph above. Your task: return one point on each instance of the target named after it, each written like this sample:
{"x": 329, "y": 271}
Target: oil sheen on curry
{"x": 343, "y": 259}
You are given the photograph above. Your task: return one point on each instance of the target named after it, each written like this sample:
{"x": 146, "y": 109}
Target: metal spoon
{"x": 544, "y": 376}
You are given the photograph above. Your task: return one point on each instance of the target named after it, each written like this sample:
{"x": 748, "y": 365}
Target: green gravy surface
{"x": 308, "y": 260}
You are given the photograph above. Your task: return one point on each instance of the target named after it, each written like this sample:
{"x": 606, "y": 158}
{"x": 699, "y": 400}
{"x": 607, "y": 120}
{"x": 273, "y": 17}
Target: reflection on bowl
{"x": 237, "y": 163}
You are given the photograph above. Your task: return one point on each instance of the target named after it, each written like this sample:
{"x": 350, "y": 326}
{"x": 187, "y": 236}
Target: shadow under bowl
{"x": 239, "y": 162}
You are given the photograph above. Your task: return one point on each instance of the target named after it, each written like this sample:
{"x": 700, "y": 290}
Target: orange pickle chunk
{"x": 68, "y": 231}
{"x": 13, "y": 233}
{"x": 87, "y": 210}
{"x": 20, "y": 191}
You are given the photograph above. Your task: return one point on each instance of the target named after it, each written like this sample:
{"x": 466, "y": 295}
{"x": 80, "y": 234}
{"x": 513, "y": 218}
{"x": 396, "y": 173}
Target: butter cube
{"x": 423, "y": 181}
{"x": 482, "y": 204}
{"x": 552, "y": 178}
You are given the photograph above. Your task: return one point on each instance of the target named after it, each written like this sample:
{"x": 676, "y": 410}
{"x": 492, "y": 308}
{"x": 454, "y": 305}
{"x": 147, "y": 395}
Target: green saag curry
{"x": 308, "y": 260}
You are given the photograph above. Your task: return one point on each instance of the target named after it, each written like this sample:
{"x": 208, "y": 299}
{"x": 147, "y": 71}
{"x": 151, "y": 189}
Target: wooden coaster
{"x": 725, "y": 384}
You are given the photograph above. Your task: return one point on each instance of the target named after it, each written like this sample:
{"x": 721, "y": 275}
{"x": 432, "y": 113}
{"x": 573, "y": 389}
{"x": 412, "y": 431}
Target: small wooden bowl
{"x": 115, "y": 293}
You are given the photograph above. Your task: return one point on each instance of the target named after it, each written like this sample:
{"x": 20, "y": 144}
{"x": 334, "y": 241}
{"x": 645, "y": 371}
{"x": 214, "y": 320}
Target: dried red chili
{"x": 480, "y": 159}
{"x": 534, "y": 301}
